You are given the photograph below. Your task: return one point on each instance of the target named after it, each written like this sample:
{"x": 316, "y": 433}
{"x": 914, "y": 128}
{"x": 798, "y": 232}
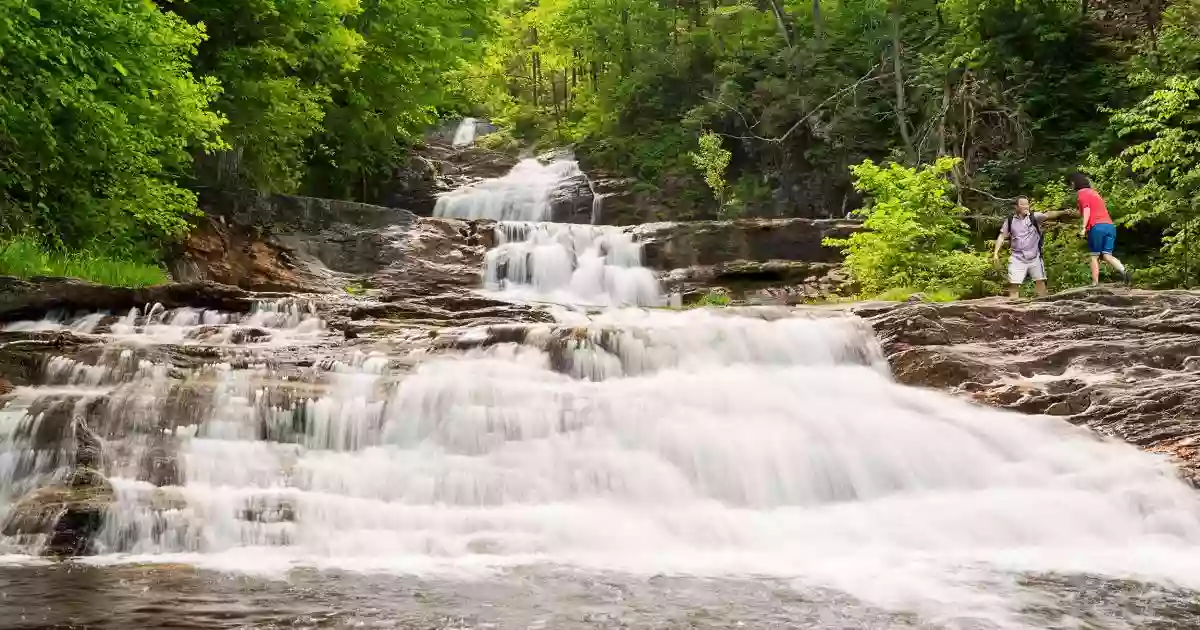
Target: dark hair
{"x": 1079, "y": 181}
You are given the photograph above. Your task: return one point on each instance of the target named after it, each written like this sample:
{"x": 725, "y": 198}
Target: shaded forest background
{"x": 114, "y": 113}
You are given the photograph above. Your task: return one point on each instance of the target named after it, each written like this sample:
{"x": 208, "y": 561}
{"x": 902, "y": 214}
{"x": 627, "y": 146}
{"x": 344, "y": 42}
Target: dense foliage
{"x": 112, "y": 113}
{"x": 1020, "y": 92}
{"x": 99, "y": 108}
{"x": 914, "y": 236}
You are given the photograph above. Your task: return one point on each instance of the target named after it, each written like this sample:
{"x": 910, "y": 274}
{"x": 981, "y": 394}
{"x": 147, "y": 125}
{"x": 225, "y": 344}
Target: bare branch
{"x": 732, "y": 109}
{"x": 990, "y": 195}
{"x": 866, "y": 78}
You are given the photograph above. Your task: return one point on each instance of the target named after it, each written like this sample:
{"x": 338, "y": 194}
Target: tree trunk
{"x": 945, "y": 113}
{"x": 781, "y": 20}
{"x": 627, "y": 53}
{"x": 898, "y": 79}
{"x": 818, "y": 26}
{"x": 535, "y": 66}
{"x": 675, "y": 24}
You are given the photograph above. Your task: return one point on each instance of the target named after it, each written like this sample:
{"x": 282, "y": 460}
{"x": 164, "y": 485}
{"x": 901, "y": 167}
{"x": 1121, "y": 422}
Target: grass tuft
{"x": 25, "y": 257}
{"x": 901, "y": 294}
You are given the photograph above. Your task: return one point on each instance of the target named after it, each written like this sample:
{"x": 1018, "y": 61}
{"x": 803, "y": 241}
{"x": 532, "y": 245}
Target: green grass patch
{"x": 25, "y": 257}
{"x": 901, "y": 294}
{"x": 357, "y": 288}
{"x": 713, "y": 298}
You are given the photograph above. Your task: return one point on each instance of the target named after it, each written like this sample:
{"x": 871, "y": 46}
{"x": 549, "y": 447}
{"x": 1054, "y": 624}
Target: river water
{"x": 631, "y": 468}
{"x": 693, "y": 469}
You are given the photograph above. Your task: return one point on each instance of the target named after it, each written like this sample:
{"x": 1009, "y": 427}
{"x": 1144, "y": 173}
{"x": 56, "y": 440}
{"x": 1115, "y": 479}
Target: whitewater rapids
{"x": 650, "y": 442}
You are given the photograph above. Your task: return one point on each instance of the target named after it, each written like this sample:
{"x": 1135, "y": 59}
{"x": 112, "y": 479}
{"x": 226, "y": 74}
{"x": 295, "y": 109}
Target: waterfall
{"x": 636, "y": 441}
{"x": 558, "y": 262}
{"x": 524, "y": 194}
{"x": 598, "y": 265}
{"x": 464, "y": 135}
{"x": 597, "y": 207}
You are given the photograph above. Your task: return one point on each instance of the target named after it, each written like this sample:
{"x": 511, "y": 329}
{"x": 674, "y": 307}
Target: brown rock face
{"x": 771, "y": 281}
{"x": 677, "y": 245}
{"x": 288, "y": 243}
{"x": 213, "y": 251}
{"x": 1123, "y": 363}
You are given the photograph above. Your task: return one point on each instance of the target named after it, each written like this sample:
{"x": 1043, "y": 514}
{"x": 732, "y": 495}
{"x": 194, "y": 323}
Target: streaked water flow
{"x": 537, "y": 259}
{"x": 626, "y": 444}
{"x": 590, "y": 264}
{"x": 524, "y": 194}
{"x": 464, "y": 135}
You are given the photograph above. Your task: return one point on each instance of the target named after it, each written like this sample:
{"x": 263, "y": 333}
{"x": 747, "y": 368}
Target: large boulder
{"x": 438, "y": 167}
{"x": 1124, "y": 363}
{"x": 216, "y": 252}
{"x": 571, "y": 201}
{"x": 266, "y": 242}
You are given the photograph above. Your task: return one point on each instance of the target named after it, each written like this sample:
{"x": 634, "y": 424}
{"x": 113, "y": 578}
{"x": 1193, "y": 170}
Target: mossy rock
{"x": 69, "y": 514}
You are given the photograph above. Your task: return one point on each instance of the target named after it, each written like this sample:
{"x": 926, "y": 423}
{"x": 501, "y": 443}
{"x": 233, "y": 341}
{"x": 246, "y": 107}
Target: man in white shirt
{"x": 1024, "y": 229}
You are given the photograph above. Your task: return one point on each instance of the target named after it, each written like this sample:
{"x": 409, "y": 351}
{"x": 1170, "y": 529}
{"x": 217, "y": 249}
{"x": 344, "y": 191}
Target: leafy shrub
{"x": 1065, "y": 256}
{"x": 1156, "y": 178}
{"x": 913, "y": 235}
{"x": 501, "y": 140}
{"x": 712, "y": 159}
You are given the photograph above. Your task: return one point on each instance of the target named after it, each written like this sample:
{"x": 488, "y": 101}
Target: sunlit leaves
{"x": 913, "y": 235}
{"x": 99, "y": 113}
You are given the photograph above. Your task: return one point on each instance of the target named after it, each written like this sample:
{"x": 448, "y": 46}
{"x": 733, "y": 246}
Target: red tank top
{"x": 1091, "y": 199}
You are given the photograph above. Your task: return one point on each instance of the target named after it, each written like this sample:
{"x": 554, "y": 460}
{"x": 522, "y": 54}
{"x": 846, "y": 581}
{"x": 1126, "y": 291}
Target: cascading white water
{"x": 694, "y": 442}
{"x": 524, "y": 194}
{"x": 464, "y": 135}
{"x": 535, "y": 259}
{"x": 597, "y": 207}
{"x": 597, "y": 265}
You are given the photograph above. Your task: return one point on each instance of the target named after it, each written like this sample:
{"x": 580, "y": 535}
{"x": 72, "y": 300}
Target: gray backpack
{"x": 1036, "y": 228}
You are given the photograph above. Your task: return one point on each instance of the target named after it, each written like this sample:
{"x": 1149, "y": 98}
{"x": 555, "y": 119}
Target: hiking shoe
{"x": 1128, "y": 276}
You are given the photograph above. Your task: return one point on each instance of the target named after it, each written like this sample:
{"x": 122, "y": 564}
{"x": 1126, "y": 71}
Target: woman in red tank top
{"x": 1098, "y": 228}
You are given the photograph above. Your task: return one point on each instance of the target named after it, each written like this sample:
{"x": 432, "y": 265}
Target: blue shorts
{"x": 1102, "y": 238}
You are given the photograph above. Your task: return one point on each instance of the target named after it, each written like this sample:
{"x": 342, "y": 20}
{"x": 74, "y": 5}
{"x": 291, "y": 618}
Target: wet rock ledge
{"x": 35, "y": 298}
{"x": 1124, "y": 363}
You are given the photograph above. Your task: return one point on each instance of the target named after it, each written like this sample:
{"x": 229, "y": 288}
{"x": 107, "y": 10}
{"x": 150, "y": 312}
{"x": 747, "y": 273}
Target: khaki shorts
{"x": 1018, "y": 268}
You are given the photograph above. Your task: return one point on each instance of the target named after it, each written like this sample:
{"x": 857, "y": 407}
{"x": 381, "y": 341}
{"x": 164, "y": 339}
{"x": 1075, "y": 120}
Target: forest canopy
{"x": 114, "y": 113}
{"x": 1018, "y": 92}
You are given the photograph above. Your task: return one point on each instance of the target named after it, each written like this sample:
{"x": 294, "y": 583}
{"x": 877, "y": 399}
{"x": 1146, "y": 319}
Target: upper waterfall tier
{"x": 526, "y": 193}
{"x": 595, "y": 265}
{"x": 464, "y": 135}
